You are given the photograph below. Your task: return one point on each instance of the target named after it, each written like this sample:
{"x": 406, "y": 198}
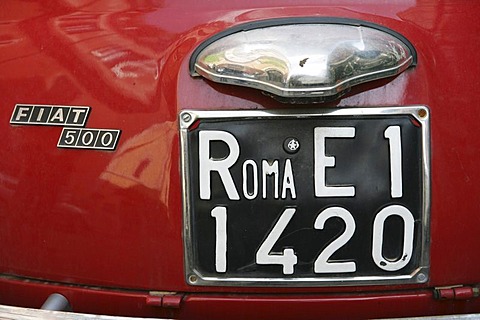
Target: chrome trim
{"x": 420, "y": 276}
{"x": 297, "y": 21}
{"x": 292, "y": 92}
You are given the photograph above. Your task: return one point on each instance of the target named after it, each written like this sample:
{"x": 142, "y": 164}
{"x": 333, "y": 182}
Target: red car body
{"x": 104, "y": 229}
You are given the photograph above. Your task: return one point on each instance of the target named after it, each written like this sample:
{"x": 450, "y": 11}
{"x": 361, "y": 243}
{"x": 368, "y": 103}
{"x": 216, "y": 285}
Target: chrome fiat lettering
{"x": 59, "y": 115}
{"x": 22, "y": 113}
{"x": 50, "y": 115}
{"x": 77, "y": 116}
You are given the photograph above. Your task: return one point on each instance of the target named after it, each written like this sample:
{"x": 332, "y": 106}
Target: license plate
{"x": 306, "y": 198}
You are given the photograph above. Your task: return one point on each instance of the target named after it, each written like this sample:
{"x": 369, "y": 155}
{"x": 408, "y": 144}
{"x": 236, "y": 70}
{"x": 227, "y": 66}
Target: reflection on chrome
{"x": 304, "y": 60}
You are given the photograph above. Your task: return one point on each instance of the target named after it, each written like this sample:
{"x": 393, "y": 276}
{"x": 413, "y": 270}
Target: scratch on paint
{"x": 467, "y": 178}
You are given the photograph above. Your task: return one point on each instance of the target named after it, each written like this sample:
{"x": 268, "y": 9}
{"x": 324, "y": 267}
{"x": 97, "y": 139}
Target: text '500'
{"x": 102, "y": 139}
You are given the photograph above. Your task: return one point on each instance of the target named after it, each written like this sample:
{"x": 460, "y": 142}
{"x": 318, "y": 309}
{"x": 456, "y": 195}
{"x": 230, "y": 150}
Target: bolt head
{"x": 421, "y": 278}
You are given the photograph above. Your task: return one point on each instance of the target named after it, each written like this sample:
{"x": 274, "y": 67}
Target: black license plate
{"x": 331, "y": 197}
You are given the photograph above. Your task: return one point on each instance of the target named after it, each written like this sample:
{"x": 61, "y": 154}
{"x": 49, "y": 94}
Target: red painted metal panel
{"x": 114, "y": 219}
{"x": 236, "y": 306}
{"x": 31, "y": 294}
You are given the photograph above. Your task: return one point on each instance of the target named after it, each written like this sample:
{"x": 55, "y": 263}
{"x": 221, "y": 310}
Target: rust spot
{"x": 422, "y": 113}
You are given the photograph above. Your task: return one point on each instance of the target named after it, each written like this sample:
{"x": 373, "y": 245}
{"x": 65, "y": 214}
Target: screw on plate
{"x": 421, "y": 278}
{"x": 186, "y": 117}
{"x": 422, "y": 113}
{"x": 291, "y": 145}
{"x": 192, "y": 278}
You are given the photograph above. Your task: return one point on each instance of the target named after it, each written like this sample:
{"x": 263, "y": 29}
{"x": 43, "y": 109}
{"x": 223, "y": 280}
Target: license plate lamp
{"x": 305, "y": 59}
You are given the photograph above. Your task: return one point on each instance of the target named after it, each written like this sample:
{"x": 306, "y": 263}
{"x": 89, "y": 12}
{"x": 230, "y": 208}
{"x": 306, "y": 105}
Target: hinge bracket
{"x": 170, "y": 300}
{"x": 456, "y": 293}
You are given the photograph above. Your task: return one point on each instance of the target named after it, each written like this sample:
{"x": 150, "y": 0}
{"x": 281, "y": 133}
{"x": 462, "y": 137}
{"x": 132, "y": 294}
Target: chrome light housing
{"x": 309, "y": 58}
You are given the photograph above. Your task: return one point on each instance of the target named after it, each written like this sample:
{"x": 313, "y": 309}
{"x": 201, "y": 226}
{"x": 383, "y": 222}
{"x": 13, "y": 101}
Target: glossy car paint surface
{"x": 114, "y": 219}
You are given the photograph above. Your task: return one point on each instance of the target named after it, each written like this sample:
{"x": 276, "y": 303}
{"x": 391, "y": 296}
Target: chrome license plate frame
{"x": 191, "y": 121}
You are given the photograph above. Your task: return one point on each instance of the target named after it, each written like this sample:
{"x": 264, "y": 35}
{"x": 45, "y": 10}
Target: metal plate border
{"x": 420, "y": 276}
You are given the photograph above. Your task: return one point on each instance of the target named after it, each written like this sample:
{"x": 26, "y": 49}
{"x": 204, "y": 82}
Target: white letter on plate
{"x": 288, "y": 182}
{"x": 393, "y": 135}
{"x": 220, "y": 215}
{"x": 207, "y": 164}
{"x": 268, "y": 170}
{"x": 408, "y": 237}
{"x": 322, "y": 161}
{"x": 254, "y": 193}
{"x": 322, "y": 265}
{"x": 288, "y": 258}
